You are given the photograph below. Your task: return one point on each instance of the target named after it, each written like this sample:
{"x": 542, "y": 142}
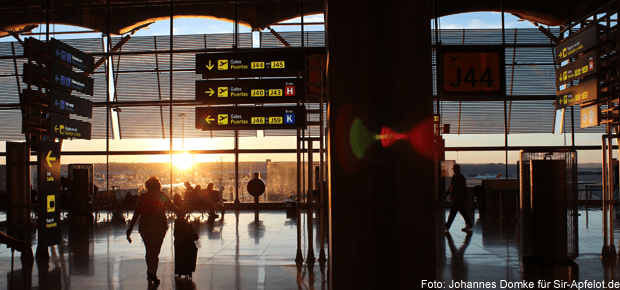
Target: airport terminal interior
{"x": 308, "y": 144}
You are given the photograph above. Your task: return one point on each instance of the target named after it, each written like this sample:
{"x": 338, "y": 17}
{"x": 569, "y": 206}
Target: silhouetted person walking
{"x": 151, "y": 208}
{"x": 458, "y": 193}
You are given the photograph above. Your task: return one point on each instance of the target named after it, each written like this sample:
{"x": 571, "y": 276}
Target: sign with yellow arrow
{"x": 250, "y": 118}
{"x": 250, "y": 91}
{"x": 254, "y": 63}
{"x": 49, "y": 192}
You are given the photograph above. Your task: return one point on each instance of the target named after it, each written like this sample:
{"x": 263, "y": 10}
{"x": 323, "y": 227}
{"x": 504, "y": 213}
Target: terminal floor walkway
{"x": 239, "y": 252}
{"x": 490, "y": 253}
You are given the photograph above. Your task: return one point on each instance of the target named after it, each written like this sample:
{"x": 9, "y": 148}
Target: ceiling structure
{"x": 127, "y": 15}
{"x": 145, "y": 65}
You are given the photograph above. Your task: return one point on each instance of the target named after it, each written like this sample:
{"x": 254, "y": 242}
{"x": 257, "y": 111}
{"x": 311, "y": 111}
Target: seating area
{"x": 105, "y": 200}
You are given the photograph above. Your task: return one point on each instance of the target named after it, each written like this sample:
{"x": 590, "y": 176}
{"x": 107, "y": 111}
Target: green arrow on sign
{"x": 209, "y": 119}
{"x": 210, "y": 92}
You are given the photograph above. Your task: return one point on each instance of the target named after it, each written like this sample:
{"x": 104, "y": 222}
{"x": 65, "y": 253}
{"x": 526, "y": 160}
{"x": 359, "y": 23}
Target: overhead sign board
{"x": 69, "y": 80}
{"x": 582, "y": 67}
{"x": 63, "y": 102}
{"x": 473, "y": 70}
{"x": 590, "y": 116}
{"x": 287, "y": 62}
{"x": 49, "y": 193}
{"x": 250, "y": 91}
{"x": 63, "y": 127}
{"x": 585, "y": 91}
{"x": 577, "y": 43}
{"x": 71, "y": 56}
{"x": 250, "y": 118}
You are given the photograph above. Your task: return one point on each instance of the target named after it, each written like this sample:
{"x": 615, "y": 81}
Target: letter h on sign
{"x": 289, "y": 91}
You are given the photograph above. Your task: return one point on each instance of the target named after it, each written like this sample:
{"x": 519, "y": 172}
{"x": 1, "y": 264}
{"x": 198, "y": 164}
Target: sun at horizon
{"x": 183, "y": 161}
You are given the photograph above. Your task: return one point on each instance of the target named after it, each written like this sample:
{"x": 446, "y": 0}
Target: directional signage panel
{"x": 63, "y": 102}
{"x": 582, "y": 67}
{"x": 473, "y": 70}
{"x": 69, "y": 80}
{"x": 63, "y": 127}
{"x": 250, "y": 118}
{"x": 251, "y": 63}
{"x": 71, "y": 56}
{"x": 577, "y": 43}
{"x": 585, "y": 91}
{"x": 590, "y": 116}
{"x": 250, "y": 91}
{"x": 49, "y": 193}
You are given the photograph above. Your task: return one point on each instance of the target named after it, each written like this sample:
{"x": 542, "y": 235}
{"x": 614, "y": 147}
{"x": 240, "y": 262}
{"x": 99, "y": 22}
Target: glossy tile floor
{"x": 490, "y": 253}
{"x": 244, "y": 250}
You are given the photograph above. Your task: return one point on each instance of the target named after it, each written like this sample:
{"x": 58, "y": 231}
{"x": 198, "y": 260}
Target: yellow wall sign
{"x": 258, "y": 93}
{"x": 222, "y": 119}
{"x": 589, "y": 116}
{"x": 278, "y": 64}
{"x": 258, "y": 120}
{"x": 222, "y": 64}
{"x": 222, "y": 92}
{"x": 275, "y": 92}
{"x": 275, "y": 120}
{"x": 51, "y": 203}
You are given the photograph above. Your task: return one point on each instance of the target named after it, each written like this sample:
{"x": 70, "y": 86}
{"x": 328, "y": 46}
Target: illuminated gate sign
{"x": 473, "y": 70}
{"x": 250, "y": 91}
{"x": 251, "y": 64}
{"x": 577, "y": 43}
{"x": 583, "y": 92}
{"x": 584, "y": 66}
{"x": 250, "y": 118}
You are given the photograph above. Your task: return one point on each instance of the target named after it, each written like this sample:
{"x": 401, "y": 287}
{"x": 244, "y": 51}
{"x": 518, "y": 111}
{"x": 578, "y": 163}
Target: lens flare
{"x": 421, "y": 138}
{"x": 389, "y": 136}
{"x": 352, "y": 139}
{"x": 360, "y": 138}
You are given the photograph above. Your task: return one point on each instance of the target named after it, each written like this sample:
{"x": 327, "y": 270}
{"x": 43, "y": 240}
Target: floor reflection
{"x": 458, "y": 264}
{"x": 245, "y": 250}
{"x": 491, "y": 252}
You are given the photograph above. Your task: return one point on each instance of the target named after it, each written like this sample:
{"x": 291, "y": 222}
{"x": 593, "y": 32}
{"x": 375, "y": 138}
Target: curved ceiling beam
{"x": 126, "y": 15}
{"x": 129, "y": 14}
{"x": 548, "y": 12}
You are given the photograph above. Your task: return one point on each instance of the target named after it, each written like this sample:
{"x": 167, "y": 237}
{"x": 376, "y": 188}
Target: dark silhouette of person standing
{"x": 458, "y": 192}
{"x": 151, "y": 210}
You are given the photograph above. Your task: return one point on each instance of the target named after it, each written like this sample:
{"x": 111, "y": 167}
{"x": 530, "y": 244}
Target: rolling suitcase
{"x": 184, "y": 248}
